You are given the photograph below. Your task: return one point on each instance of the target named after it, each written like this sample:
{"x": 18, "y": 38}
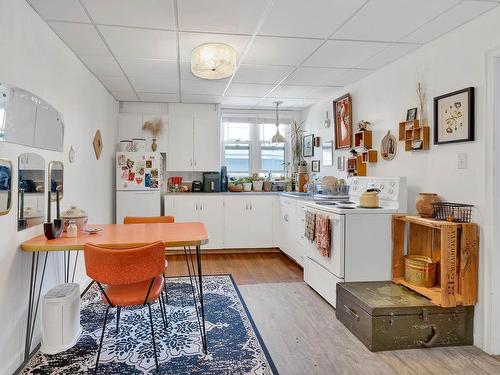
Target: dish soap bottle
{"x": 72, "y": 230}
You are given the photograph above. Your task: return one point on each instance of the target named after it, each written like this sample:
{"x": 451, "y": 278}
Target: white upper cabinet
{"x": 193, "y": 138}
{"x": 130, "y": 126}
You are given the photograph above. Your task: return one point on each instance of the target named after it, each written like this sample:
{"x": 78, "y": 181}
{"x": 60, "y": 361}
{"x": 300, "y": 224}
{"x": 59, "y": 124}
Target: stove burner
{"x": 370, "y": 208}
{"x": 346, "y": 207}
{"x": 346, "y": 202}
{"x": 326, "y": 203}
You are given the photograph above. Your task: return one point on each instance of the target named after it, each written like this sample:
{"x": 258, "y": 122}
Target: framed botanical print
{"x": 308, "y": 145}
{"x": 327, "y": 149}
{"x": 454, "y": 117}
{"x": 315, "y": 166}
{"x": 342, "y": 109}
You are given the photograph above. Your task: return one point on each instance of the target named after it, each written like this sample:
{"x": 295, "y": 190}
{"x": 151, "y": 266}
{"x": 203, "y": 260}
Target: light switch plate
{"x": 462, "y": 160}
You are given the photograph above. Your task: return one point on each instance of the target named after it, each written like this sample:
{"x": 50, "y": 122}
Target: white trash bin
{"x": 61, "y": 318}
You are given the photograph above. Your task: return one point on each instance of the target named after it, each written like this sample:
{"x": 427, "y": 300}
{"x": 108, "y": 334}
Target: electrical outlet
{"x": 462, "y": 160}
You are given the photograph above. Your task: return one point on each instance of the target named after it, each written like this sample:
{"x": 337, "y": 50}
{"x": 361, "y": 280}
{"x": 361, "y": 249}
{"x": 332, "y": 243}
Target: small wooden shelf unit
{"x": 454, "y": 246}
{"x": 415, "y": 136}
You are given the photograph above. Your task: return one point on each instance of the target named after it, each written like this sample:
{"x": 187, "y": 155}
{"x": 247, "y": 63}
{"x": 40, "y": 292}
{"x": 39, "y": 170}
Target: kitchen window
{"x": 247, "y": 147}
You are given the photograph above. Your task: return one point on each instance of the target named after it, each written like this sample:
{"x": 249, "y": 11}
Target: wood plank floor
{"x": 302, "y": 334}
{"x": 248, "y": 268}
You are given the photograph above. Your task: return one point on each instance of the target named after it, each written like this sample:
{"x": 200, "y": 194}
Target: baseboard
{"x": 230, "y": 251}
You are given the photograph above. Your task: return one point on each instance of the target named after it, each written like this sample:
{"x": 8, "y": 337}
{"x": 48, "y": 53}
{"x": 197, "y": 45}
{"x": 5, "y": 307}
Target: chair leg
{"x": 163, "y": 311}
{"x": 102, "y": 338}
{"x": 118, "y": 310}
{"x": 153, "y": 334}
{"x": 165, "y": 288}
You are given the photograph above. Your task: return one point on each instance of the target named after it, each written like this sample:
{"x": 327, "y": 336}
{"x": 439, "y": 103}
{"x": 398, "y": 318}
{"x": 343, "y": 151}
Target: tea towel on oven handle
{"x": 310, "y": 224}
{"x": 323, "y": 234}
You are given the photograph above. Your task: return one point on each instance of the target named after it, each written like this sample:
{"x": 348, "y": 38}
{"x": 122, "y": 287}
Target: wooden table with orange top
{"x": 184, "y": 235}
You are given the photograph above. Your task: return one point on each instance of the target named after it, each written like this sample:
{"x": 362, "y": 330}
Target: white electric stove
{"x": 360, "y": 247}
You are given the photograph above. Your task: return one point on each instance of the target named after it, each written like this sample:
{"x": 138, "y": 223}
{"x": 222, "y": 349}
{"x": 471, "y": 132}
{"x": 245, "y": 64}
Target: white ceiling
{"x": 291, "y": 50}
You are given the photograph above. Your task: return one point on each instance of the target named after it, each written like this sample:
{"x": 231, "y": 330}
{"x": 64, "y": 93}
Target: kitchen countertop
{"x": 302, "y": 196}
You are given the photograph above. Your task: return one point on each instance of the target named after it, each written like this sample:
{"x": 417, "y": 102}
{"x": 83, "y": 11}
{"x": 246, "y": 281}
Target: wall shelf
{"x": 363, "y": 138}
{"x": 415, "y": 136}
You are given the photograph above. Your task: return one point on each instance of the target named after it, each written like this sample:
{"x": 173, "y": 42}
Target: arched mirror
{"x": 56, "y": 179}
{"x": 31, "y": 188}
{"x": 5, "y": 186}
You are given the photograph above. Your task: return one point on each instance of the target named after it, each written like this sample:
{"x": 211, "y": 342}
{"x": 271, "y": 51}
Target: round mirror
{"x": 388, "y": 147}
{"x": 5, "y": 186}
{"x": 56, "y": 179}
{"x": 31, "y": 188}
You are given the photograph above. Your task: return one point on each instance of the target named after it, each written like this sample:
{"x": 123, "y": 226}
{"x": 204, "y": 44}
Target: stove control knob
{"x": 381, "y": 187}
{"x": 391, "y": 191}
{"x": 393, "y": 183}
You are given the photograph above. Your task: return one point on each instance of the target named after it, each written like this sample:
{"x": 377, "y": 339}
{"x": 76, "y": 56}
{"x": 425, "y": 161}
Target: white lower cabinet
{"x": 248, "y": 221}
{"x": 290, "y": 229}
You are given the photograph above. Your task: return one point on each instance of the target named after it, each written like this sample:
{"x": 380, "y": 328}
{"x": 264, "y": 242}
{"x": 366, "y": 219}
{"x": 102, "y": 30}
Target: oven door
{"x": 335, "y": 262}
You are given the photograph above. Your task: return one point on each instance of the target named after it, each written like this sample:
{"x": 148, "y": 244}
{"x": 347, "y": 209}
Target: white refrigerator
{"x": 138, "y": 184}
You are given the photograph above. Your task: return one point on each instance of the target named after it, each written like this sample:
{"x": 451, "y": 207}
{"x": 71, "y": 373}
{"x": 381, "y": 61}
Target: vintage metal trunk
{"x": 387, "y": 316}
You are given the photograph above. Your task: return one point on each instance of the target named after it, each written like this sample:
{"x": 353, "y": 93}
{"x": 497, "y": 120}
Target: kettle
{"x": 369, "y": 199}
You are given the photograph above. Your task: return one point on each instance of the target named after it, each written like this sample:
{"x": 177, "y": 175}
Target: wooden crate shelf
{"x": 454, "y": 246}
{"x": 363, "y": 138}
{"x": 369, "y": 156}
{"x": 415, "y": 136}
{"x": 356, "y": 166}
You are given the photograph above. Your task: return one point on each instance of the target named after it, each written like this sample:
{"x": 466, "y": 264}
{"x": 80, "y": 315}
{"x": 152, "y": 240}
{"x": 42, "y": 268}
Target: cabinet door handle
{"x": 191, "y": 162}
{"x": 285, "y": 217}
{"x": 195, "y": 162}
{"x": 251, "y": 206}
{"x": 196, "y": 206}
{"x": 201, "y": 207}
{"x": 246, "y": 205}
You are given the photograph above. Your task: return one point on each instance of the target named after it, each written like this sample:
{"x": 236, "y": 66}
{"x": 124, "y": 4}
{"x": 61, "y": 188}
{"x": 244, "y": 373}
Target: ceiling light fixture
{"x": 213, "y": 61}
{"x": 277, "y": 138}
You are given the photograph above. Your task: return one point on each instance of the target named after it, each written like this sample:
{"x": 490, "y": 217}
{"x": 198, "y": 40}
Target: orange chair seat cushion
{"x": 133, "y": 294}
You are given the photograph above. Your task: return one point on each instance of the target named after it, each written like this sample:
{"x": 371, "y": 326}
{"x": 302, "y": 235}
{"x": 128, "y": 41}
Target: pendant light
{"x": 213, "y": 61}
{"x": 277, "y": 138}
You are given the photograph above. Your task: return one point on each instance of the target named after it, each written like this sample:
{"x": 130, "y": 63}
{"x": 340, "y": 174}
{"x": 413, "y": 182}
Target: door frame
{"x": 491, "y": 279}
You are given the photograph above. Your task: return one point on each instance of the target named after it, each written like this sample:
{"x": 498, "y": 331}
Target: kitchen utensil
{"x": 420, "y": 270}
{"x": 369, "y": 199}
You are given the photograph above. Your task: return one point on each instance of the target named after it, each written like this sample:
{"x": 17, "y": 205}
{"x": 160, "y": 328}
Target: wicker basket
{"x": 235, "y": 188}
{"x": 455, "y": 212}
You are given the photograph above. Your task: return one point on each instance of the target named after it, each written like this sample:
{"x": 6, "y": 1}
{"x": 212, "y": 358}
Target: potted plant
{"x": 258, "y": 182}
{"x": 235, "y": 185}
{"x": 247, "y": 183}
{"x": 296, "y": 133}
{"x": 268, "y": 184}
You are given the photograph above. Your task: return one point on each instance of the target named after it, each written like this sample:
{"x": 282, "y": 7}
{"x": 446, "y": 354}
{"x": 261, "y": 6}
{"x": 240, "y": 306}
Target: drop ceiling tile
{"x": 140, "y": 43}
{"x": 225, "y": 16}
{"x": 209, "y": 99}
{"x": 321, "y": 92}
{"x": 115, "y": 83}
{"x": 155, "y": 85}
{"x": 158, "y": 98}
{"x": 303, "y": 92}
{"x": 125, "y": 96}
{"x": 352, "y": 76}
{"x": 202, "y": 87}
{"x": 267, "y": 74}
{"x": 149, "y": 68}
{"x": 83, "y": 39}
{"x": 186, "y": 74}
{"x": 388, "y": 55}
{"x": 315, "y": 76}
{"x": 154, "y": 14}
{"x": 235, "y": 101}
{"x": 287, "y": 17}
{"x": 344, "y": 54}
{"x": 390, "y": 20}
{"x": 60, "y": 10}
{"x": 188, "y": 41}
{"x": 453, "y": 18}
{"x": 248, "y": 89}
{"x": 293, "y": 104}
{"x": 280, "y": 51}
{"x": 101, "y": 65}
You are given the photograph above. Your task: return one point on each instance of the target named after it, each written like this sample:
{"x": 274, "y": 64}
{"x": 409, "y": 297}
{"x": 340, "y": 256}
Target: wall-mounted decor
{"x": 327, "y": 149}
{"x": 5, "y": 186}
{"x": 71, "y": 155}
{"x": 411, "y": 114}
{"x": 454, "y": 117}
{"x": 56, "y": 179}
{"x": 317, "y": 141}
{"x": 341, "y": 163}
{"x": 342, "y": 109}
{"x": 29, "y": 120}
{"x": 388, "y": 147}
{"x": 155, "y": 126}
{"x": 315, "y": 166}
{"x": 31, "y": 187}
{"x": 308, "y": 145}
{"x": 97, "y": 143}
{"x": 327, "y": 121}
{"x": 415, "y": 135}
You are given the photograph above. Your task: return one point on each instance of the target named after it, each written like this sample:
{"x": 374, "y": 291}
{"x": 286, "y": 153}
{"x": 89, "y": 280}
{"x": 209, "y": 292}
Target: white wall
{"x": 453, "y": 62}
{"x": 34, "y": 58}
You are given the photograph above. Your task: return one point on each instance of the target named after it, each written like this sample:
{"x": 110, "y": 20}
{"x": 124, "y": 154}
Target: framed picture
{"x": 327, "y": 149}
{"x": 454, "y": 117}
{"x": 315, "y": 166}
{"x": 341, "y": 163}
{"x": 308, "y": 145}
{"x": 411, "y": 114}
{"x": 342, "y": 109}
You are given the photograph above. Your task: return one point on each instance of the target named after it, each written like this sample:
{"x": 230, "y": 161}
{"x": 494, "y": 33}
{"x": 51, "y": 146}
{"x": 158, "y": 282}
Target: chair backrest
{"x": 118, "y": 266}
{"x": 147, "y": 219}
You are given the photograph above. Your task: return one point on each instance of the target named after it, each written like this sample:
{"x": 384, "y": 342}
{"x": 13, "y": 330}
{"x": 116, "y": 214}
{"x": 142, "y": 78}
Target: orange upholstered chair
{"x": 133, "y": 276}
{"x": 147, "y": 219}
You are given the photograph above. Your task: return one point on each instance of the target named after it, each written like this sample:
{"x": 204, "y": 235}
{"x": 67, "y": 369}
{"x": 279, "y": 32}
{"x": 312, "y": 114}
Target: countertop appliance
{"x": 196, "y": 186}
{"x": 211, "y": 182}
{"x": 360, "y": 248}
{"x": 138, "y": 182}
{"x": 224, "y": 178}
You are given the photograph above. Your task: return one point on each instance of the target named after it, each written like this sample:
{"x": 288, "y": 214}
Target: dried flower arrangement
{"x": 154, "y": 126}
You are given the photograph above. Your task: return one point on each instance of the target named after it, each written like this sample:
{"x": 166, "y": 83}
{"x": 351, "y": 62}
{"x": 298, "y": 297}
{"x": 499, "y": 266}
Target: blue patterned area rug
{"x": 234, "y": 344}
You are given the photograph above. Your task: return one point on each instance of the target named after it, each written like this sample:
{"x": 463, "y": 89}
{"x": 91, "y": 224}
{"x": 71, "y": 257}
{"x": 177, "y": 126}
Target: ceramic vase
{"x": 154, "y": 146}
{"x": 268, "y": 185}
{"x": 424, "y": 204}
{"x": 247, "y": 186}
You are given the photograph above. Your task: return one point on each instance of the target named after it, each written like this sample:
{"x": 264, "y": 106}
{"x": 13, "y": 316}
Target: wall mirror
{"x": 31, "y": 187}
{"x": 388, "y": 147}
{"x": 327, "y": 148}
{"x": 56, "y": 179}
{"x": 26, "y": 119}
{"x": 5, "y": 186}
